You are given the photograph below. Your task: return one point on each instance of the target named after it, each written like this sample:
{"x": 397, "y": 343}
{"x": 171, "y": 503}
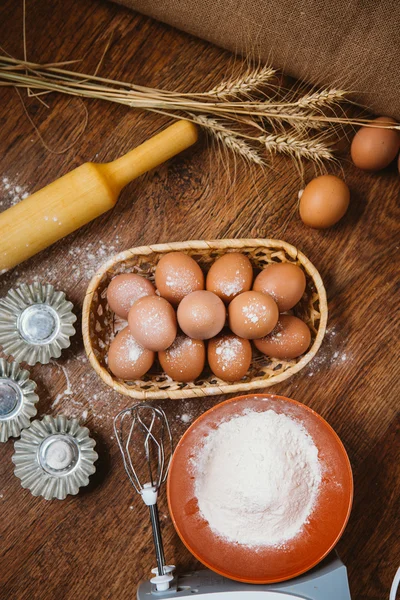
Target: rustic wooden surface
{"x": 98, "y": 544}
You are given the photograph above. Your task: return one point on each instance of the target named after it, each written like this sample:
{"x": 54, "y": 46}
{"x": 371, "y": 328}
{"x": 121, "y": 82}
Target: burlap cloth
{"x": 353, "y": 44}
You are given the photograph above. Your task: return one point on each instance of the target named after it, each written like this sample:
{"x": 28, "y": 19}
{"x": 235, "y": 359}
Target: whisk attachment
{"x": 145, "y": 441}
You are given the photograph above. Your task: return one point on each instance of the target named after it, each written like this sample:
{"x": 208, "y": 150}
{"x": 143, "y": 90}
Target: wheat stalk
{"x": 230, "y": 112}
{"x": 312, "y": 149}
{"x": 252, "y": 81}
{"x": 321, "y": 98}
{"x": 296, "y": 118}
{"x": 229, "y": 138}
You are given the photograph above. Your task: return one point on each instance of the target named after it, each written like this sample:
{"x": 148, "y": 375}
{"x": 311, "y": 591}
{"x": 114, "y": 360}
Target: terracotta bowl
{"x": 268, "y": 564}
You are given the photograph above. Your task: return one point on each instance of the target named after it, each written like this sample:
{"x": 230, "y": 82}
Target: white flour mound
{"x": 257, "y": 478}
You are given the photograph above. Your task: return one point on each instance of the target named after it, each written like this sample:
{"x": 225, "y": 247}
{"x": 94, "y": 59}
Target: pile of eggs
{"x": 185, "y": 309}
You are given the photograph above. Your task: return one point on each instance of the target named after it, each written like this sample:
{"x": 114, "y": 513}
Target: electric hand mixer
{"x": 145, "y": 426}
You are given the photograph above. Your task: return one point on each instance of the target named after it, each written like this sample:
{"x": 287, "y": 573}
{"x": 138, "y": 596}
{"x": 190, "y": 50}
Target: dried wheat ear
{"x": 250, "y": 115}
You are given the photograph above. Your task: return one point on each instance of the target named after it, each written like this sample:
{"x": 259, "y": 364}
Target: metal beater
{"x": 145, "y": 426}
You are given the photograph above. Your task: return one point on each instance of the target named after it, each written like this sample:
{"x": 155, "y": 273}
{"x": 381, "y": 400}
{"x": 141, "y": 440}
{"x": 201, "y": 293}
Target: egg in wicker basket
{"x": 99, "y": 324}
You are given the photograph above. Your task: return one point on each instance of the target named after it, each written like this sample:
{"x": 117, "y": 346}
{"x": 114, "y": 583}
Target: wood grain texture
{"x": 95, "y": 545}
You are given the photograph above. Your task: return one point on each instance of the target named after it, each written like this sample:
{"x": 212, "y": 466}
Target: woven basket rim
{"x": 229, "y": 244}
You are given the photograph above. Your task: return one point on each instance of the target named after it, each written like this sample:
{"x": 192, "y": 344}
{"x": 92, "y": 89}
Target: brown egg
{"x": 184, "y": 360}
{"x": 177, "y": 275}
{"x": 152, "y": 322}
{"x": 125, "y": 289}
{"x": 201, "y": 315}
{"x": 324, "y": 202}
{"x": 290, "y": 338}
{"x": 252, "y": 315}
{"x": 374, "y": 148}
{"x": 285, "y": 282}
{"x": 126, "y": 359}
{"x": 229, "y": 356}
{"x": 230, "y": 275}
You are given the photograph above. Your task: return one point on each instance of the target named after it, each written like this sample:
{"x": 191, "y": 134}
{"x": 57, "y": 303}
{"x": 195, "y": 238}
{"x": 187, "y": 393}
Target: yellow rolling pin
{"x": 82, "y": 195}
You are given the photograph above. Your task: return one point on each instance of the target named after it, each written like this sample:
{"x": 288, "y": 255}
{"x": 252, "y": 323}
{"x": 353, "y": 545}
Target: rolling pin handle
{"x": 158, "y": 149}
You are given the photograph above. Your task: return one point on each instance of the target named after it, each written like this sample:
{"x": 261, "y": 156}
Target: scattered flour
{"x": 257, "y": 478}
{"x": 182, "y": 279}
{"x": 87, "y": 259}
{"x": 84, "y": 260}
{"x": 68, "y": 390}
{"x": 234, "y": 286}
{"x": 133, "y": 349}
{"x": 330, "y": 353}
{"x": 251, "y": 314}
{"x": 185, "y": 418}
{"x": 180, "y": 347}
{"x": 77, "y": 399}
{"x": 229, "y": 349}
{"x": 11, "y": 194}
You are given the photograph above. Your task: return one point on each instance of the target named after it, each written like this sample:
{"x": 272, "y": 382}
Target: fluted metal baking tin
{"x": 38, "y": 473}
{"x": 17, "y": 399}
{"x": 35, "y": 323}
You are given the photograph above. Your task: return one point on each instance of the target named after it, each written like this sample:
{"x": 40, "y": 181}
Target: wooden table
{"x": 98, "y": 544}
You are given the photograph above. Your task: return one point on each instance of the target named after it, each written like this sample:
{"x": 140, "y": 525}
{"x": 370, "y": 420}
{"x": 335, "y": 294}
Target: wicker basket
{"x": 99, "y": 324}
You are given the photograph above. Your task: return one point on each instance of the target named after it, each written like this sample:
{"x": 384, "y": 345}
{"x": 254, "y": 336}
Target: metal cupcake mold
{"x": 35, "y": 323}
{"x": 54, "y": 457}
{"x": 17, "y": 399}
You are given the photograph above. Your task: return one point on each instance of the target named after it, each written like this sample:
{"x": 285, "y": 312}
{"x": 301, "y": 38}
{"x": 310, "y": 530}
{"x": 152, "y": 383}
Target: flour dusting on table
{"x": 11, "y": 193}
{"x": 332, "y": 353}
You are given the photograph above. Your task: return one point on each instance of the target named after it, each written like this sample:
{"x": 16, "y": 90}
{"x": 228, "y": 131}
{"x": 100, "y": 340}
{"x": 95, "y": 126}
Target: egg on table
{"x": 229, "y": 356}
{"x": 374, "y": 148}
{"x": 230, "y": 275}
{"x": 125, "y": 289}
{"x": 324, "y": 201}
{"x": 177, "y": 275}
{"x": 290, "y": 338}
{"x": 126, "y": 358}
{"x": 201, "y": 315}
{"x": 184, "y": 360}
{"x": 252, "y": 315}
{"x": 152, "y": 323}
{"x": 285, "y": 282}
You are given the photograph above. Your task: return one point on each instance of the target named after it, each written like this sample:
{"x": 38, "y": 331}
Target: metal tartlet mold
{"x": 54, "y": 457}
{"x": 35, "y": 323}
{"x": 17, "y": 399}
